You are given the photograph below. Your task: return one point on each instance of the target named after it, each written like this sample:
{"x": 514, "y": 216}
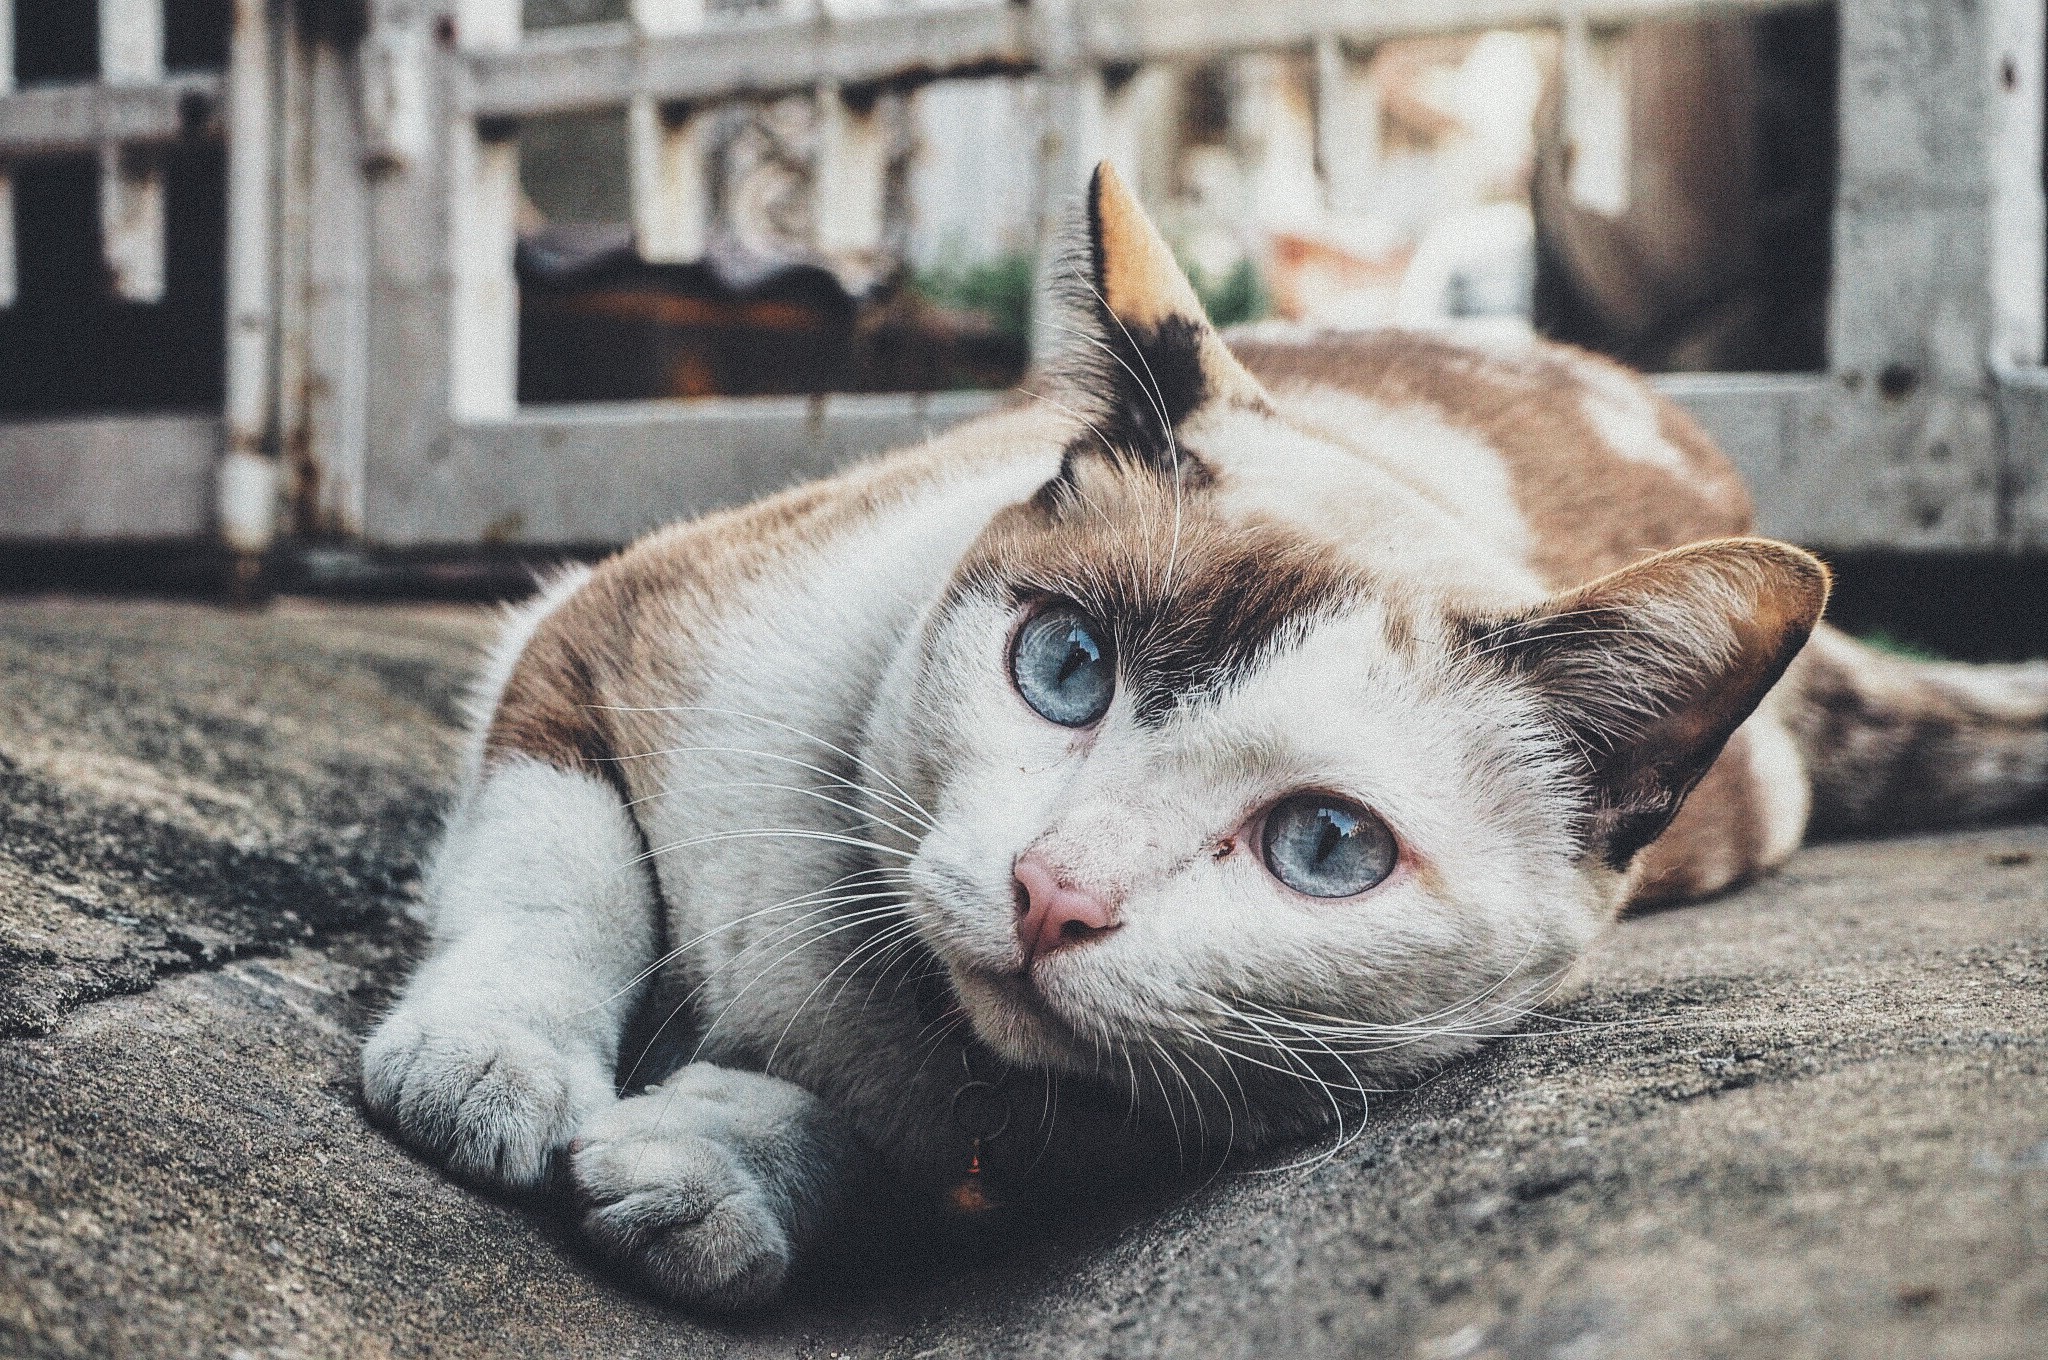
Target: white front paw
{"x": 491, "y": 1100}
{"x": 677, "y": 1205}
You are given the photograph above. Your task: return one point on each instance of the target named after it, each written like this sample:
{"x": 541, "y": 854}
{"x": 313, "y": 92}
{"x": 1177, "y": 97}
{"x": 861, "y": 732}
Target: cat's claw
{"x": 673, "y": 1202}
{"x": 492, "y": 1102}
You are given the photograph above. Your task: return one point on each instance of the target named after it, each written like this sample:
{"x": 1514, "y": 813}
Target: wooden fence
{"x": 372, "y": 310}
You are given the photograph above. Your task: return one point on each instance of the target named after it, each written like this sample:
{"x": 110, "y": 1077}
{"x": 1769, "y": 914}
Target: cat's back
{"x": 1601, "y": 469}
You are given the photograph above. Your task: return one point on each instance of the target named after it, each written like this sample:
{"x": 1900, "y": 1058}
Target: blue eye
{"x": 1063, "y": 667}
{"x": 1324, "y": 847}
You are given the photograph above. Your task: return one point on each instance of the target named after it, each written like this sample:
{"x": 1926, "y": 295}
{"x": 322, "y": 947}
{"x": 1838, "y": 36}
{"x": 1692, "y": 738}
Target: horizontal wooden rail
{"x": 609, "y": 64}
{"x": 58, "y": 120}
{"x": 102, "y": 478}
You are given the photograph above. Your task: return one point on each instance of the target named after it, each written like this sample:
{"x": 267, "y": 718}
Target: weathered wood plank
{"x": 605, "y": 65}
{"x": 2022, "y": 396}
{"x": 107, "y": 477}
{"x": 604, "y": 473}
{"x": 56, "y": 120}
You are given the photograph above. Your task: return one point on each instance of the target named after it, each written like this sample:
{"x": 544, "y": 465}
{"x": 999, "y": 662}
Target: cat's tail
{"x": 1892, "y": 743}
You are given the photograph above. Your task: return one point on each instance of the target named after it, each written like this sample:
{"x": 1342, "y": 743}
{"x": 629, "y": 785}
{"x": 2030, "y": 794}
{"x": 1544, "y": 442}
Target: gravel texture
{"x": 1810, "y": 1119}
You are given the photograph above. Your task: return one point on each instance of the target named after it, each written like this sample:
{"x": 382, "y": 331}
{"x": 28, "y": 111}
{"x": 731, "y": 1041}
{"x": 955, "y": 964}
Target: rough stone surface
{"x": 1810, "y": 1119}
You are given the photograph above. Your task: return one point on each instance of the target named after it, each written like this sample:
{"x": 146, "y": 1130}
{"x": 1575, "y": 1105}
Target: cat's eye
{"x": 1326, "y": 847}
{"x": 1062, "y": 664}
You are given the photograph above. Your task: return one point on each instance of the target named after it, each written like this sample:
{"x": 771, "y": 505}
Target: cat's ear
{"x": 1648, "y": 671}
{"x": 1143, "y": 357}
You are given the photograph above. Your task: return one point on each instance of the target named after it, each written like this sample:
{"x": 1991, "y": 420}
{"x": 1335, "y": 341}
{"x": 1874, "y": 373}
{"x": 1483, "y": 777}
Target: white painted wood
{"x": 131, "y": 41}
{"x": 1272, "y": 117}
{"x": 1347, "y": 127}
{"x": 1593, "y": 75}
{"x": 661, "y": 18}
{"x": 397, "y": 102}
{"x": 10, "y": 278}
{"x": 2018, "y": 259}
{"x": 850, "y": 175}
{"x": 1938, "y": 188}
{"x": 605, "y": 473}
{"x": 487, "y": 25}
{"x": 292, "y": 250}
{"x": 609, "y": 64}
{"x": 132, "y": 223}
{"x": 671, "y": 185}
{"x": 1073, "y": 141}
{"x": 107, "y": 477}
{"x": 337, "y": 301}
{"x": 483, "y": 319}
{"x": 56, "y": 120}
{"x": 247, "y": 486}
{"x": 2022, "y": 395}
{"x": 409, "y": 317}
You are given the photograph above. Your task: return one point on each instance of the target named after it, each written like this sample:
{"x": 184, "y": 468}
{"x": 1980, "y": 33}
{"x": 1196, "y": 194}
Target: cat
{"x": 1121, "y": 779}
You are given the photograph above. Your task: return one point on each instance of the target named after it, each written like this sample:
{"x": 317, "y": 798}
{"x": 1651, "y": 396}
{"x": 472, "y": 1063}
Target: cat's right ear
{"x": 1648, "y": 671}
{"x": 1140, "y": 357}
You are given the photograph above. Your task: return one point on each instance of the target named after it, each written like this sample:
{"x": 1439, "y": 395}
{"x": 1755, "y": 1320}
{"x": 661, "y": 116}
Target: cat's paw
{"x": 669, "y": 1196}
{"x": 490, "y": 1100}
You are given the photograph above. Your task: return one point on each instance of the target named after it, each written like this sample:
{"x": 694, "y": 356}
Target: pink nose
{"x": 1051, "y": 915}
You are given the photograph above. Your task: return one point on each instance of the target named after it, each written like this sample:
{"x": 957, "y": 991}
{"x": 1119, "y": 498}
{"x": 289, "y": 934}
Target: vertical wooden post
{"x": 1937, "y": 269}
{"x": 292, "y": 250}
{"x": 131, "y": 41}
{"x": 132, "y": 222}
{"x": 483, "y": 211}
{"x": 671, "y": 195}
{"x": 483, "y": 184}
{"x": 1596, "y": 118}
{"x": 849, "y": 179}
{"x": 661, "y": 18}
{"x": 1272, "y": 117}
{"x": 1347, "y": 127}
{"x": 408, "y": 323}
{"x": 337, "y": 298}
{"x": 666, "y": 146}
{"x": 247, "y": 487}
{"x": 10, "y": 285}
{"x": 132, "y": 182}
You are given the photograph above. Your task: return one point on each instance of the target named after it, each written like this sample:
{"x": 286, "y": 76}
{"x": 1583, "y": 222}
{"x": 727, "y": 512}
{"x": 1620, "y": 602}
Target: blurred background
{"x": 400, "y": 296}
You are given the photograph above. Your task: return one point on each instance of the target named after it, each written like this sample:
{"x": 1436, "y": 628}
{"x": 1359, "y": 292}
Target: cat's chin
{"x": 1011, "y": 1016}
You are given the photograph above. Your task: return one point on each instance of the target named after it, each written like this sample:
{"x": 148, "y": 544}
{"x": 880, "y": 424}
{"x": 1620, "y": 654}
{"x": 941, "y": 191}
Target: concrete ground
{"x": 1810, "y": 1119}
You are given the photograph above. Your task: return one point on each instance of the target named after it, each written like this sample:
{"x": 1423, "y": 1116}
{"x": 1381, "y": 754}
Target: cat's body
{"x": 786, "y": 779}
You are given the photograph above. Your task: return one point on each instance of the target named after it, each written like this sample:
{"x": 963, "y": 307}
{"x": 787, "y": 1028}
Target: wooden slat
{"x": 108, "y": 477}
{"x": 2022, "y": 396}
{"x": 605, "y": 473}
{"x": 671, "y": 188}
{"x": 57, "y": 120}
{"x": 606, "y": 65}
{"x": 131, "y": 41}
{"x": 132, "y": 220}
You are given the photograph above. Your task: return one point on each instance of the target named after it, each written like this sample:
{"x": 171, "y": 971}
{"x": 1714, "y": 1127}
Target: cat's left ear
{"x": 1649, "y": 670}
{"x": 1145, "y": 358}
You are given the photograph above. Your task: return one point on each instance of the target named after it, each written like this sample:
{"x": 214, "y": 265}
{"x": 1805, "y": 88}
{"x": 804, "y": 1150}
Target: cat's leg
{"x": 711, "y": 1186}
{"x": 503, "y": 1042}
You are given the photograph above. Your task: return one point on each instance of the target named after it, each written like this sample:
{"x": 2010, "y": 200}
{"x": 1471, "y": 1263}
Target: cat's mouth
{"x": 1014, "y": 1017}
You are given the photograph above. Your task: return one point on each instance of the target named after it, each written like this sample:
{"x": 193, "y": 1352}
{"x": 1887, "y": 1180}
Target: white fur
{"x": 503, "y": 1042}
{"x": 1410, "y": 496}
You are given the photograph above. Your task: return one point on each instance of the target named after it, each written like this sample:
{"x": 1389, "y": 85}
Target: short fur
{"x": 763, "y": 781}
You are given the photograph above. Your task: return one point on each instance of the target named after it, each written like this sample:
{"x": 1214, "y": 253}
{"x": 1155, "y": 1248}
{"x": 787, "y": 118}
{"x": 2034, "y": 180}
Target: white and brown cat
{"x": 1139, "y": 772}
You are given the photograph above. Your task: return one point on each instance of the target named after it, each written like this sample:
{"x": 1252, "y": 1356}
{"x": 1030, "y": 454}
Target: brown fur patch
{"x": 624, "y": 640}
{"x": 1649, "y": 670}
{"x": 1590, "y": 510}
{"x": 1232, "y": 593}
{"x": 1717, "y": 840}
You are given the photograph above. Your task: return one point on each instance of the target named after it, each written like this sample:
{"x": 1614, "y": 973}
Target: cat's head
{"x": 1207, "y": 781}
